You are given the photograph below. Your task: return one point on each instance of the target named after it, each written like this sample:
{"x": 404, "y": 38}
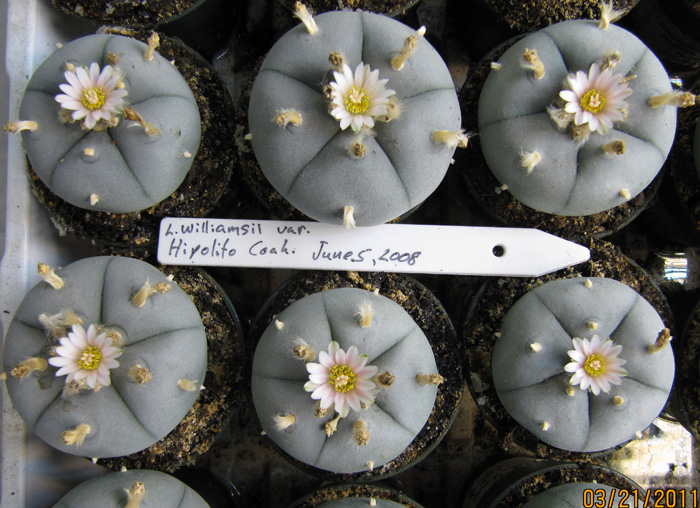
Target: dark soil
{"x": 527, "y": 15}
{"x": 389, "y": 7}
{"x": 126, "y": 13}
{"x": 364, "y": 491}
{"x": 687, "y": 383}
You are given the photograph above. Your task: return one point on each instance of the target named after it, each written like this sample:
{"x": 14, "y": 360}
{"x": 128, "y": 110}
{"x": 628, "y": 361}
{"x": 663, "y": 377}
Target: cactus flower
{"x": 86, "y": 355}
{"x": 596, "y": 99}
{"x": 357, "y": 99}
{"x": 341, "y": 379}
{"x": 595, "y": 364}
{"x": 92, "y": 95}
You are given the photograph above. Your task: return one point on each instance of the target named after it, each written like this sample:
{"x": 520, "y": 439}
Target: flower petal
{"x": 569, "y": 96}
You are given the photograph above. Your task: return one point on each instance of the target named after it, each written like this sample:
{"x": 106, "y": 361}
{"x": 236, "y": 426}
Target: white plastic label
{"x": 402, "y": 248}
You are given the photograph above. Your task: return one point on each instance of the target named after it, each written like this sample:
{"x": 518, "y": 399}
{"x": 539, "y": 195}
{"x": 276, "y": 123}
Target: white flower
{"x": 595, "y": 364}
{"x": 357, "y": 99}
{"x": 92, "y": 95}
{"x": 86, "y": 355}
{"x": 341, "y": 378}
{"x": 596, "y": 99}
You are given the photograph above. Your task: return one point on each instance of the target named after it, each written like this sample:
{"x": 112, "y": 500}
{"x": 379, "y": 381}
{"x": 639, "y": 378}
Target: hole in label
{"x": 498, "y": 251}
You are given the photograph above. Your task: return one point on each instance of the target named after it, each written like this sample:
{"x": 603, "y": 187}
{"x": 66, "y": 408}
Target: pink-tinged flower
{"x": 595, "y": 364}
{"x": 596, "y": 99}
{"x": 86, "y": 355}
{"x": 357, "y": 99}
{"x": 341, "y": 379}
{"x": 92, "y": 95}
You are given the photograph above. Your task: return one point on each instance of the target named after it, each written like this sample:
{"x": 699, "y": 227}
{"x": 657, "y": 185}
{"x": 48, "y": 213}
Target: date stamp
{"x": 652, "y": 498}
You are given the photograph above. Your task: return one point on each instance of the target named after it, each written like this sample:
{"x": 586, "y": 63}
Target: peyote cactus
{"x": 372, "y": 74}
{"x": 343, "y": 380}
{"x": 130, "y": 349}
{"x": 587, "y": 494}
{"x": 581, "y": 363}
{"x": 122, "y": 135}
{"x": 588, "y": 114}
{"x": 138, "y": 488}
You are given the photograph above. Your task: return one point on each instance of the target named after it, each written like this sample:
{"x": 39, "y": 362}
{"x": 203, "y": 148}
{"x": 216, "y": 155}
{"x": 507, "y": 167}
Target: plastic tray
{"x": 36, "y": 476}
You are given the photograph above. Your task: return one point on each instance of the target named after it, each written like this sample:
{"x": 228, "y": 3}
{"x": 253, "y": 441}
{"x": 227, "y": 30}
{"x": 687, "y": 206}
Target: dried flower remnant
{"x": 458, "y": 139}
{"x": 135, "y": 495}
{"x": 360, "y": 432}
{"x": 608, "y": 14}
{"x": 77, "y": 435}
{"x": 336, "y": 60}
{"x": 357, "y": 148}
{"x": 596, "y": 99}
{"x": 409, "y": 47}
{"x": 365, "y": 313}
{"x": 19, "y": 126}
{"x": 86, "y": 355}
{"x": 349, "y": 217}
{"x": 301, "y": 12}
{"x": 662, "y": 339}
{"x": 357, "y": 98}
{"x": 56, "y": 324}
{"x": 610, "y": 61}
{"x": 385, "y": 379}
{"x": 284, "y": 421}
{"x": 303, "y": 350}
{"x": 614, "y": 148}
{"x": 331, "y": 426}
{"x": 429, "y": 379}
{"x": 147, "y": 290}
{"x": 26, "y": 367}
{"x": 92, "y": 95}
{"x": 152, "y": 42}
{"x": 532, "y": 61}
{"x": 131, "y": 115}
{"x": 287, "y": 116}
{"x": 140, "y": 374}
{"x": 49, "y": 275}
{"x": 595, "y": 364}
{"x": 529, "y": 160}
{"x": 188, "y": 385}
{"x": 341, "y": 379}
{"x": 676, "y": 98}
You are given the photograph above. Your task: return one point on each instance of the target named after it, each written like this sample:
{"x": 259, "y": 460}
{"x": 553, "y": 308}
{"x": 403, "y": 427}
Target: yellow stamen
{"x": 592, "y": 101}
{"x": 93, "y": 98}
{"x": 342, "y": 378}
{"x": 356, "y": 101}
{"x": 90, "y": 358}
{"x": 594, "y": 365}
